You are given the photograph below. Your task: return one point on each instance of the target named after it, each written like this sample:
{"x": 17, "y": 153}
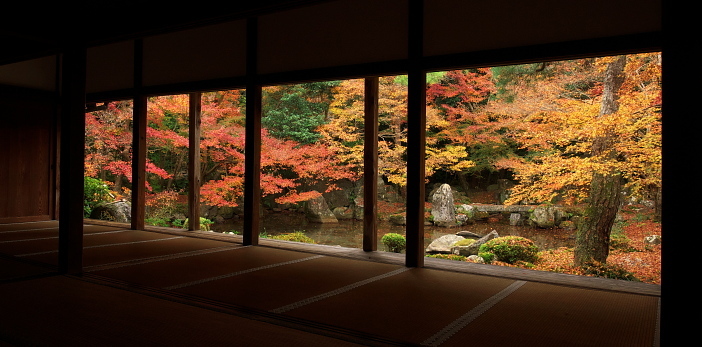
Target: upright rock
{"x": 442, "y": 208}
{"x": 317, "y": 211}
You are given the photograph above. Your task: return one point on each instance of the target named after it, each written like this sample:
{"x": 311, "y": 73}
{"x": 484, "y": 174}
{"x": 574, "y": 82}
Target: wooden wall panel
{"x": 110, "y": 67}
{"x": 37, "y": 74}
{"x": 453, "y": 26}
{"x": 26, "y": 139}
{"x": 211, "y": 52}
{"x": 331, "y": 34}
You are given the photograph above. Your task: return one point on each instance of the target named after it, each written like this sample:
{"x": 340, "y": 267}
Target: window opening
{"x": 108, "y": 161}
{"x": 535, "y": 151}
{"x": 167, "y": 161}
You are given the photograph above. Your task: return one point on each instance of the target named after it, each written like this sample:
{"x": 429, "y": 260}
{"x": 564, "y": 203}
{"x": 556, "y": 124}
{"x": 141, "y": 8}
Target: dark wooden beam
{"x": 416, "y": 138}
{"x": 70, "y": 248}
{"x": 252, "y": 150}
{"x": 138, "y": 143}
{"x": 194, "y": 162}
{"x": 370, "y": 166}
{"x": 625, "y": 44}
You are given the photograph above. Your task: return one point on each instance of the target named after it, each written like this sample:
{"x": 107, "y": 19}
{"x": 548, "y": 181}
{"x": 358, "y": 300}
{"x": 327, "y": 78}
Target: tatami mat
{"x": 160, "y": 273}
{"x": 409, "y": 307}
{"x": 274, "y": 287}
{"x": 173, "y": 289}
{"x": 548, "y": 315}
{"x": 62, "y": 311}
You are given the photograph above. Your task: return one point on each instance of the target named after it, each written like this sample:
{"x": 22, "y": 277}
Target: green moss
{"x": 464, "y": 242}
{"x": 447, "y": 256}
{"x": 297, "y": 236}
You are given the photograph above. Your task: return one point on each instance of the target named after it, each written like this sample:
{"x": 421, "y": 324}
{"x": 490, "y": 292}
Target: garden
{"x": 579, "y": 134}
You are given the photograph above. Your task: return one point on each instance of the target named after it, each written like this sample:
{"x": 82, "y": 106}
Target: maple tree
{"x": 587, "y": 138}
{"x": 552, "y": 119}
{"x": 285, "y": 163}
{"x": 344, "y": 132}
{"x": 108, "y": 153}
{"x": 539, "y": 124}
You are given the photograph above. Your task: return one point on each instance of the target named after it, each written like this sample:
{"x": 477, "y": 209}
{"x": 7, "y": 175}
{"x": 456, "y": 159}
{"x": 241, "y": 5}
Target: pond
{"x": 349, "y": 233}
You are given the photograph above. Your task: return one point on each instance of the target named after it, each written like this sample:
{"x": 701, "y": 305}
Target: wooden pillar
{"x": 370, "y": 166}
{"x": 194, "y": 162}
{"x": 416, "y": 138}
{"x": 138, "y": 143}
{"x": 72, "y": 143}
{"x": 680, "y": 129}
{"x": 252, "y": 150}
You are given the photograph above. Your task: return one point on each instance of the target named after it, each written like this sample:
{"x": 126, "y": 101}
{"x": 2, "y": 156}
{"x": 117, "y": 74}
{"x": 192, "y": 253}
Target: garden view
{"x": 580, "y": 139}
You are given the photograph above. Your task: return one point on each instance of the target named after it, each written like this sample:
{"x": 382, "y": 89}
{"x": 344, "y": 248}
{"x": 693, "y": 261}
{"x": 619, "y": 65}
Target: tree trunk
{"x": 592, "y": 241}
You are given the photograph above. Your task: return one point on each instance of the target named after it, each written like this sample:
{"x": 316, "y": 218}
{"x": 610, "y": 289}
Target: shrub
{"x": 608, "y": 271}
{"x": 204, "y": 224}
{"x": 511, "y": 249}
{"x": 95, "y": 191}
{"x": 297, "y": 236}
{"x": 394, "y": 242}
{"x": 487, "y": 257}
{"x": 158, "y": 222}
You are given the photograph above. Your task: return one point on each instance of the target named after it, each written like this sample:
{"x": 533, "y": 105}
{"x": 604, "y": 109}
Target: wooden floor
{"x": 167, "y": 287}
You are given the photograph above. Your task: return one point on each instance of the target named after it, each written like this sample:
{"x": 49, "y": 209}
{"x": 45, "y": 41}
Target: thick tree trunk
{"x": 592, "y": 241}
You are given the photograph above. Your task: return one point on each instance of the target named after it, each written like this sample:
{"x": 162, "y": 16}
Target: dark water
{"x": 350, "y": 233}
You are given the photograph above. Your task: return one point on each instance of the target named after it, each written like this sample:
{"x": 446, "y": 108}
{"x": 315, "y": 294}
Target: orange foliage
{"x": 556, "y": 117}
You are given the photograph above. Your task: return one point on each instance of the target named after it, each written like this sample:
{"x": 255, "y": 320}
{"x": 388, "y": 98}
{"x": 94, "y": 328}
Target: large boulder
{"x": 474, "y": 247}
{"x": 118, "y": 211}
{"x": 443, "y": 244}
{"x": 442, "y": 208}
{"x": 317, "y": 211}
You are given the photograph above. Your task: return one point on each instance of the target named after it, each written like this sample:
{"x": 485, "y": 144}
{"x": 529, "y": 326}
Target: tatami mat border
{"x": 132, "y": 262}
{"x": 205, "y": 280}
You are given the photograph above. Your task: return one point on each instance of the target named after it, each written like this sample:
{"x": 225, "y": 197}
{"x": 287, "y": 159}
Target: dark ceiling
{"x": 30, "y": 30}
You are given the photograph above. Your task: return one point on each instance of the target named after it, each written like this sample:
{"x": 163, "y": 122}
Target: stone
{"x": 461, "y": 250}
{"x": 653, "y": 239}
{"x": 443, "y": 210}
{"x": 515, "y": 219}
{"x": 468, "y": 234}
{"x": 317, "y": 211}
{"x": 397, "y": 219}
{"x": 474, "y": 248}
{"x": 476, "y": 259}
{"x": 443, "y": 244}
{"x": 462, "y": 219}
{"x": 546, "y": 216}
{"x": 343, "y": 213}
{"x": 118, "y": 211}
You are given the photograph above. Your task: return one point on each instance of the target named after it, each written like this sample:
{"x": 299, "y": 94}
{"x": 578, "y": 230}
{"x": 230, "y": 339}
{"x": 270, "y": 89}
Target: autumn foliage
{"x": 534, "y": 124}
